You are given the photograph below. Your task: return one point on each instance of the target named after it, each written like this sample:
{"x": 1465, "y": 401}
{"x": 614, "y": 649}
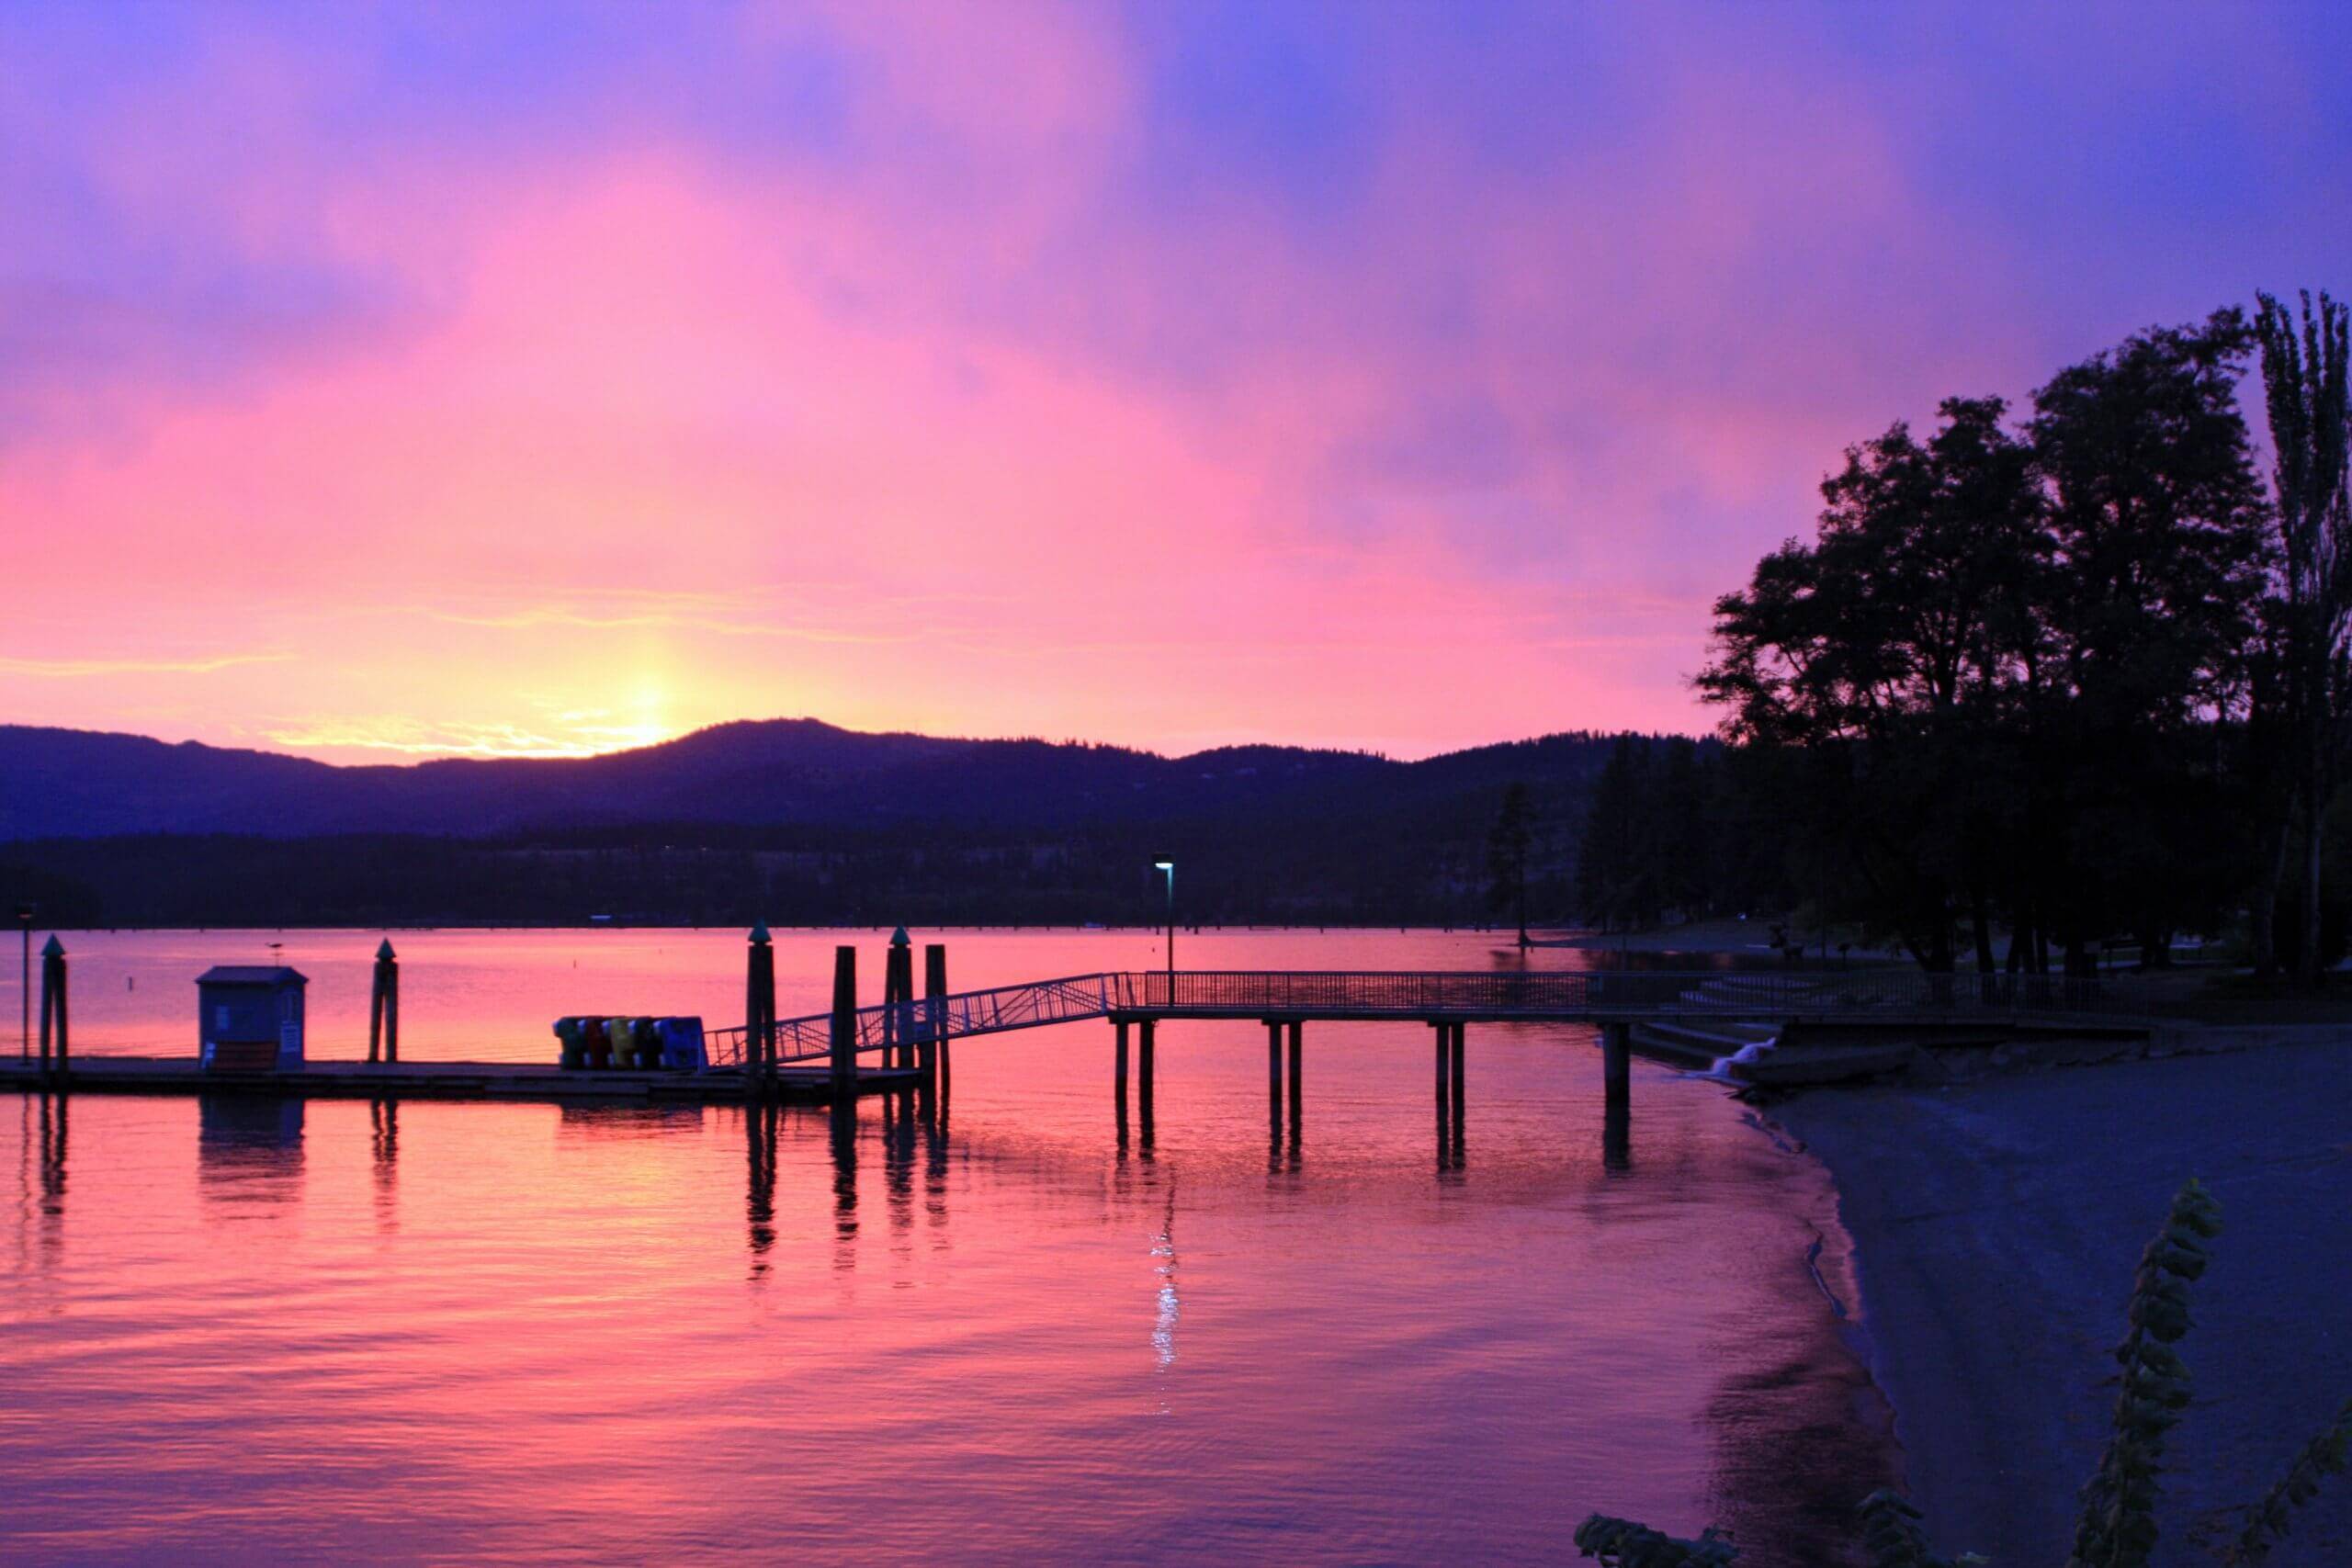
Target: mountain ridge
{"x": 57, "y": 783}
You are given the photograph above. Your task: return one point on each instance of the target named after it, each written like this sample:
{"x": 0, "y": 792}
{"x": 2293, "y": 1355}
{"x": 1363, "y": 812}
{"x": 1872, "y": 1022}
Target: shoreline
{"x": 1995, "y": 1227}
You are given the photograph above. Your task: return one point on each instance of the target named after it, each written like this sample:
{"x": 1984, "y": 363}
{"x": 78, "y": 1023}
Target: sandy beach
{"x": 1997, "y": 1225}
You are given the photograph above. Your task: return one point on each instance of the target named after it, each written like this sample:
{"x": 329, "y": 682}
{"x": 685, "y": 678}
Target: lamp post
{"x": 1170, "y": 867}
{"x": 25, "y": 913}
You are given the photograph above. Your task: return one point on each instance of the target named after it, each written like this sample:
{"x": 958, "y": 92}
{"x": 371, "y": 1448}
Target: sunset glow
{"x": 541, "y": 384}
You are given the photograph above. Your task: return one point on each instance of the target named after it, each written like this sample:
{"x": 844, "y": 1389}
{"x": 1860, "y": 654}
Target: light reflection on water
{"x": 980, "y": 1330}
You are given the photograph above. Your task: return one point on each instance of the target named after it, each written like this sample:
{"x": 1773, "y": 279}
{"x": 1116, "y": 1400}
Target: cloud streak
{"x": 86, "y": 669}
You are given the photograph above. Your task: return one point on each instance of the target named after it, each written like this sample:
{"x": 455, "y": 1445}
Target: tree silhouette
{"x": 2005, "y": 676}
{"x": 1509, "y": 844}
{"x": 2303, "y": 383}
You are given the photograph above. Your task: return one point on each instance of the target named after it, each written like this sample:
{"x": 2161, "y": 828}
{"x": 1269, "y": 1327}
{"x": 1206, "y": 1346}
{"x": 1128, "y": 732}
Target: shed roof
{"x": 252, "y": 975}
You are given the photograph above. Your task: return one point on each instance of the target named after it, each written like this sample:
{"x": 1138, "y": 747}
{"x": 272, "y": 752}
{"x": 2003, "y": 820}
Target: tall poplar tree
{"x": 2310, "y": 421}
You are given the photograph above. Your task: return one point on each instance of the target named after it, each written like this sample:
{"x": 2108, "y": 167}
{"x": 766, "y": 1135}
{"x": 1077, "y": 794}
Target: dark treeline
{"x": 919, "y": 876}
{"x": 2039, "y": 681}
{"x": 1389, "y": 847}
{"x": 1674, "y": 832}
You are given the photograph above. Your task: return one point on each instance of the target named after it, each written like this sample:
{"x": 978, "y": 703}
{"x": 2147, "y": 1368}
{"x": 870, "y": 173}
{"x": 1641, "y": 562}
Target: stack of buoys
{"x": 635, "y": 1043}
{"x": 682, "y": 1047}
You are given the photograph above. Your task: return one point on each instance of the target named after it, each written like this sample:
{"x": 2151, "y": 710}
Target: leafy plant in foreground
{"x": 2267, "y": 1520}
{"x": 1620, "y": 1544}
{"x": 1890, "y": 1534}
{"x": 2118, "y": 1529}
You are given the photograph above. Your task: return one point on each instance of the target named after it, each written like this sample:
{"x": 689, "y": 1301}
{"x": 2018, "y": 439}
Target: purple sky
{"x": 406, "y": 380}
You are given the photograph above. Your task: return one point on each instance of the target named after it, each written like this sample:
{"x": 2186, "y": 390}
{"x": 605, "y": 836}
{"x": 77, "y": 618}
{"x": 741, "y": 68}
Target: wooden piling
{"x": 1119, "y": 1068}
{"x": 384, "y": 1006}
{"x": 935, "y": 990}
{"x": 1143, "y": 1089}
{"x": 55, "y": 1060}
{"x": 759, "y": 1010}
{"x": 1617, "y": 1064}
{"x": 1616, "y": 1136}
{"x": 1297, "y": 1055}
{"x": 898, "y": 1001}
{"x": 843, "y": 1032}
{"x": 1461, "y": 1096}
{"x": 48, "y": 1015}
{"x": 1274, "y": 1065}
{"x": 1442, "y": 1033}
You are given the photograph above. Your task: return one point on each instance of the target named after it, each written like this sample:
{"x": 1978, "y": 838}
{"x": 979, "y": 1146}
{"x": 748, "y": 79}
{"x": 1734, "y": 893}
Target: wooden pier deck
{"x": 507, "y": 1081}
{"x": 882, "y": 1049}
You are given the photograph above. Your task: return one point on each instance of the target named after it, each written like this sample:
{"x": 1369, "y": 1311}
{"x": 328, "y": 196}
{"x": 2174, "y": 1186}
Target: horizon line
{"x": 422, "y": 755}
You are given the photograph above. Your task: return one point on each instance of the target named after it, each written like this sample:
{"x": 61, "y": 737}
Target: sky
{"x": 379, "y": 382}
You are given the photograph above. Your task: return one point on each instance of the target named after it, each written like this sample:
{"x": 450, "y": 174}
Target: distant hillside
{"x": 71, "y": 784}
{"x": 75, "y": 784}
{"x": 792, "y": 818}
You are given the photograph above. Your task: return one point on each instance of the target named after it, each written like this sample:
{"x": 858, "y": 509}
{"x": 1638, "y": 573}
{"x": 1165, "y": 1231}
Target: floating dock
{"x": 507, "y": 1081}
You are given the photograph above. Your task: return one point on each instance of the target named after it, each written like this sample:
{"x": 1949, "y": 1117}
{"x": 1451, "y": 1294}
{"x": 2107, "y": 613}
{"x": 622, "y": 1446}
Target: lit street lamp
{"x": 1170, "y": 867}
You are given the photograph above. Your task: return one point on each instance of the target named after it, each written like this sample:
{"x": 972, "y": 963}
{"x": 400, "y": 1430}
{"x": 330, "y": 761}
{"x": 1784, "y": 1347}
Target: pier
{"x": 903, "y": 1042}
{"x": 516, "y": 1081}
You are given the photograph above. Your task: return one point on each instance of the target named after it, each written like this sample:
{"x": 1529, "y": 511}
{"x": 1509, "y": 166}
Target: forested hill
{"x": 791, "y": 819}
{"x": 74, "y": 783}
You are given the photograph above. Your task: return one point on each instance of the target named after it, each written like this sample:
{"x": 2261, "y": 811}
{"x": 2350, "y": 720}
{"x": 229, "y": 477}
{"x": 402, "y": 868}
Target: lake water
{"x": 987, "y": 1334}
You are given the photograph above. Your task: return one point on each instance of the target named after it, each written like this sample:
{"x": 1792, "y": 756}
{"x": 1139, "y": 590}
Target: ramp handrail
{"x": 1604, "y": 995}
{"x": 962, "y": 1013}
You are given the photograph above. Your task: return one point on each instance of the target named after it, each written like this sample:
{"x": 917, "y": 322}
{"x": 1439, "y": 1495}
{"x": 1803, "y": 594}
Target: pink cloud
{"x": 956, "y": 427}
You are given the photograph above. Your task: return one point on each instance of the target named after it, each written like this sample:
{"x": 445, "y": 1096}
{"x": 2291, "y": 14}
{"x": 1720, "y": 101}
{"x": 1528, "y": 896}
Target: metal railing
{"x": 1580, "y": 993}
{"x": 1601, "y": 995}
{"x": 964, "y": 1013}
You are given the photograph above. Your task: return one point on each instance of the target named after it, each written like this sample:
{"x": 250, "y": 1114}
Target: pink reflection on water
{"x": 973, "y": 1330}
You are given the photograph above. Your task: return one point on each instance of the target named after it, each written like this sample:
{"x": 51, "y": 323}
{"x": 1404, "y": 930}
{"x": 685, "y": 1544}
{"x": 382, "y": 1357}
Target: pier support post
{"x": 1616, "y": 1113}
{"x": 384, "y": 1006}
{"x": 1461, "y": 1096}
{"x": 759, "y": 1011}
{"x": 935, "y": 990}
{"x": 1119, "y": 1070}
{"x": 1273, "y": 1069}
{"x": 1444, "y": 1034}
{"x": 54, "y": 1019}
{"x": 1147, "y": 1029}
{"x": 1298, "y": 1055}
{"x": 843, "y": 1035}
{"x": 1446, "y": 1111}
{"x": 899, "y": 999}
